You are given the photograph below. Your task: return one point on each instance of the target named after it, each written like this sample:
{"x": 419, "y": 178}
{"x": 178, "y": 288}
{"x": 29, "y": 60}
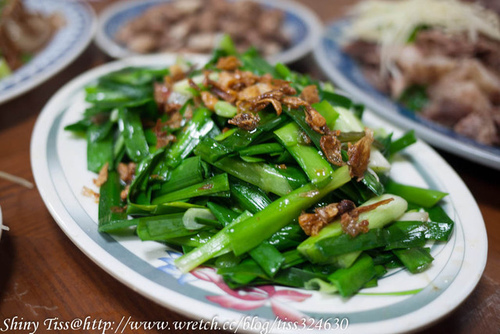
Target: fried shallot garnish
{"x": 163, "y": 137}
{"x": 209, "y": 100}
{"x": 103, "y": 175}
{"x": 126, "y": 171}
{"x": 176, "y": 72}
{"x": 310, "y": 94}
{"x": 124, "y": 192}
{"x": 193, "y": 85}
{"x": 229, "y": 63}
{"x": 351, "y": 225}
{"x": 100, "y": 118}
{"x": 268, "y": 78}
{"x": 161, "y": 93}
{"x": 87, "y": 192}
{"x": 237, "y": 80}
{"x": 312, "y": 223}
{"x": 225, "y": 93}
{"x": 251, "y": 92}
{"x": 165, "y": 140}
{"x": 331, "y": 147}
{"x": 246, "y": 121}
{"x": 350, "y": 220}
{"x": 359, "y": 155}
{"x": 315, "y": 120}
{"x": 171, "y": 108}
{"x": 257, "y": 104}
{"x": 175, "y": 120}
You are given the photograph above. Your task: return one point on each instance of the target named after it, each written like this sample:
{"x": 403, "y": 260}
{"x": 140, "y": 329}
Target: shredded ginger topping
{"x": 391, "y": 23}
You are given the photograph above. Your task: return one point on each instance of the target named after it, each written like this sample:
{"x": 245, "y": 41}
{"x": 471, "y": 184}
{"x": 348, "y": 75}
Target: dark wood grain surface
{"x": 43, "y": 275}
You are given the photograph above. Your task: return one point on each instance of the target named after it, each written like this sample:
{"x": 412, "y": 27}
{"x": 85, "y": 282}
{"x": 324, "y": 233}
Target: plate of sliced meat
{"x": 282, "y": 31}
{"x": 38, "y": 38}
{"x": 432, "y": 66}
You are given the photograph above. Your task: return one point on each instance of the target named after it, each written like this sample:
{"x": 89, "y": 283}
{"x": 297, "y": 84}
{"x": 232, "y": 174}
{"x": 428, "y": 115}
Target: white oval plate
{"x": 344, "y": 71}
{"x": 68, "y": 42}
{"x": 301, "y": 24}
{"x": 402, "y": 302}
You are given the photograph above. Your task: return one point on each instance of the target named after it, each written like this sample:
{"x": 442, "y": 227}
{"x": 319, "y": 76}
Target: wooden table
{"x": 43, "y": 275}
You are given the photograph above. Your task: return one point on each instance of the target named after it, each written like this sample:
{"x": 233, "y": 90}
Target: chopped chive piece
{"x": 225, "y": 109}
{"x": 279, "y": 213}
{"x": 312, "y": 162}
{"x": 131, "y": 128}
{"x": 415, "y": 259}
{"x": 416, "y": 195}
{"x": 216, "y": 184}
{"x": 111, "y": 206}
{"x": 406, "y": 140}
{"x": 351, "y": 280}
{"x": 268, "y": 258}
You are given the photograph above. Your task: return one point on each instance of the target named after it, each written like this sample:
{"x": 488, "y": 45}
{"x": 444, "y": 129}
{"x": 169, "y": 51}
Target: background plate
{"x": 301, "y": 24}
{"x": 344, "y": 71}
{"x": 68, "y": 42}
{"x": 402, "y": 302}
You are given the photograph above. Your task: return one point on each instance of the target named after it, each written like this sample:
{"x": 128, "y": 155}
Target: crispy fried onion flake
{"x": 103, "y": 175}
{"x": 331, "y": 147}
{"x": 312, "y": 223}
{"x": 359, "y": 155}
{"x": 229, "y": 63}
{"x": 247, "y": 121}
{"x": 350, "y": 220}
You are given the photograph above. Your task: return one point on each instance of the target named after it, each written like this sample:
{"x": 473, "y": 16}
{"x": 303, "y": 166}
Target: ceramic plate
{"x": 344, "y": 71}
{"x": 68, "y": 42}
{"x": 402, "y": 302}
{"x": 301, "y": 24}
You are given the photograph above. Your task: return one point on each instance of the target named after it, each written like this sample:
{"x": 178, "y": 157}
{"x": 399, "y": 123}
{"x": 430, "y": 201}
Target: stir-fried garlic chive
{"x": 304, "y": 139}
{"x": 251, "y": 94}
